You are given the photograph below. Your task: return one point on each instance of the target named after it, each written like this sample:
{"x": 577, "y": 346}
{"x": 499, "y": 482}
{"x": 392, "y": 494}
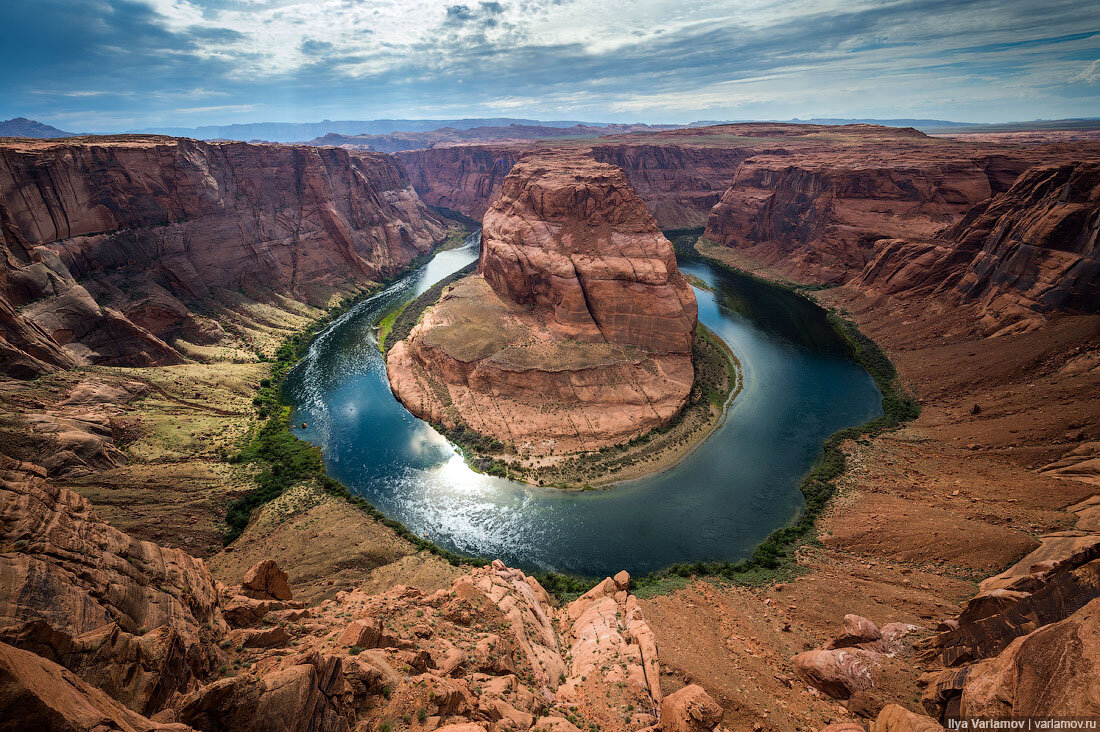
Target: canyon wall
{"x": 679, "y": 184}
{"x": 463, "y": 179}
{"x": 1030, "y": 250}
{"x": 576, "y": 333}
{"x": 109, "y": 241}
{"x": 819, "y": 213}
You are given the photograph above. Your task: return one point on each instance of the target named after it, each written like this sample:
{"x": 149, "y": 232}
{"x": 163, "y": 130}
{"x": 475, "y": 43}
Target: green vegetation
{"x": 282, "y": 460}
{"x": 386, "y": 325}
{"x": 456, "y": 237}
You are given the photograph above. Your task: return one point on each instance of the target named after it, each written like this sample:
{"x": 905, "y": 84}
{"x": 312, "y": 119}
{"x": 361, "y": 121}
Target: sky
{"x": 99, "y": 66}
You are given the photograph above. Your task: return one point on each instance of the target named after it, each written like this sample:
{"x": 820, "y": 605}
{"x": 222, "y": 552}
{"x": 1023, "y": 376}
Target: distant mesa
{"x": 575, "y": 333}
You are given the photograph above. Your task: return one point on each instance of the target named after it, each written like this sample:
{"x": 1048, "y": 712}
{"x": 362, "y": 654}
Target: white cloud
{"x": 1090, "y": 74}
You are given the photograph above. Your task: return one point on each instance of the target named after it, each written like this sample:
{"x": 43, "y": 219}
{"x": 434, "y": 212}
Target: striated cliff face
{"x": 577, "y": 331}
{"x": 463, "y": 179}
{"x": 573, "y": 236}
{"x": 108, "y": 242}
{"x": 820, "y": 213}
{"x": 1030, "y": 250}
{"x": 679, "y": 184}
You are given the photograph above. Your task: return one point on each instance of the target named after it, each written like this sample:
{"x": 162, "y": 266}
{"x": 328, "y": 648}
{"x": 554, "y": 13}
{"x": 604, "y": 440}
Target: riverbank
{"x": 776, "y": 559}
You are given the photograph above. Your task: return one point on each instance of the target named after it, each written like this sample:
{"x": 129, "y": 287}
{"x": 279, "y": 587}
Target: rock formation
{"x": 577, "y": 331}
{"x": 465, "y": 179}
{"x": 108, "y": 241}
{"x": 678, "y": 182}
{"x": 99, "y": 631}
{"x": 820, "y": 211}
{"x": 1030, "y": 250}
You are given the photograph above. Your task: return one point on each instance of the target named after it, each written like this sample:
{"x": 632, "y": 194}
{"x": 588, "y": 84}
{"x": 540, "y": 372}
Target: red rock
{"x": 142, "y": 672}
{"x": 578, "y": 332}
{"x": 894, "y": 718}
{"x": 464, "y": 179}
{"x": 554, "y": 724}
{"x": 36, "y": 694}
{"x": 80, "y": 574}
{"x": 691, "y": 709}
{"x": 856, "y": 630}
{"x": 363, "y": 633}
{"x": 1019, "y": 601}
{"x": 1051, "y": 671}
{"x": 306, "y": 695}
{"x": 1023, "y": 253}
{"x": 572, "y": 236}
{"x": 266, "y": 580}
{"x": 148, "y": 225}
{"x": 262, "y": 637}
{"x": 838, "y": 673}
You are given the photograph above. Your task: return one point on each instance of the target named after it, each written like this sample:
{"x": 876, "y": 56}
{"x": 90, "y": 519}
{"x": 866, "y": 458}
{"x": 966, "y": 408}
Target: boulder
{"x": 307, "y": 695}
{"x": 856, "y": 630}
{"x": 894, "y": 718}
{"x": 266, "y": 581}
{"x": 839, "y": 673}
{"x": 691, "y": 709}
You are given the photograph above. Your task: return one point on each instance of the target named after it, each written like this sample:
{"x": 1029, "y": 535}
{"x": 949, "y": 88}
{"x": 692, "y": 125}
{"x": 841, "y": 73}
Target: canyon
{"x": 575, "y": 333}
{"x": 955, "y": 571}
{"x": 116, "y": 248}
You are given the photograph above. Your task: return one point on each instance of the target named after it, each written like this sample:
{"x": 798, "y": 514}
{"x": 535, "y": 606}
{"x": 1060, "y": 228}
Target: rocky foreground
{"x": 577, "y": 330}
{"x": 102, "y": 631}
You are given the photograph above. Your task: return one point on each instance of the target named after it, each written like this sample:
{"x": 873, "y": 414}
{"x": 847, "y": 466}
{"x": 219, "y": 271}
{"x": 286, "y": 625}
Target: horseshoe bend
{"x": 575, "y": 334}
{"x": 391, "y": 422}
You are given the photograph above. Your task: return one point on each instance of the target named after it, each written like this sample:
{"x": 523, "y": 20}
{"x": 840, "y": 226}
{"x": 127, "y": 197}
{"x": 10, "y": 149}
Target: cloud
{"x": 659, "y": 59}
{"x": 1090, "y": 75}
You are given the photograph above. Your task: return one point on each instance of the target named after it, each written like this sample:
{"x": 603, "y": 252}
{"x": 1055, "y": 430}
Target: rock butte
{"x": 577, "y": 330}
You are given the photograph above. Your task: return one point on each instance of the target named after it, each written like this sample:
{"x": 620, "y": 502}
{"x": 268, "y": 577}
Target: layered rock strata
{"x": 1031, "y": 250}
{"x": 577, "y": 330}
{"x": 108, "y": 243}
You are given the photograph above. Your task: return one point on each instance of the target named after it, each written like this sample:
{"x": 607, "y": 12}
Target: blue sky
{"x": 94, "y": 65}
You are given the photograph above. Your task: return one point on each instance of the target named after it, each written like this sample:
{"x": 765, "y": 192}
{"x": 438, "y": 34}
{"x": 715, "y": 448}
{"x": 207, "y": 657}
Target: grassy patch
{"x": 386, "y": 325}
{"x": 405, "y": 320}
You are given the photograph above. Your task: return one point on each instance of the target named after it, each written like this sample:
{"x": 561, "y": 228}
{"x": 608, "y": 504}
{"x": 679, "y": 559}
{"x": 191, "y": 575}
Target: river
{"x": 800, "y": 384}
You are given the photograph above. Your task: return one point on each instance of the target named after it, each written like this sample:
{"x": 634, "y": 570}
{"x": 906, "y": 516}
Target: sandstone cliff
{"x": 820, "y": 212}
{"x": 462, "y": 178}
{"x": 1032, "y": 249}
{"x": 577, "y": 331}
{"x": 109, "y": 242}
{"x": 679, "y": 183}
